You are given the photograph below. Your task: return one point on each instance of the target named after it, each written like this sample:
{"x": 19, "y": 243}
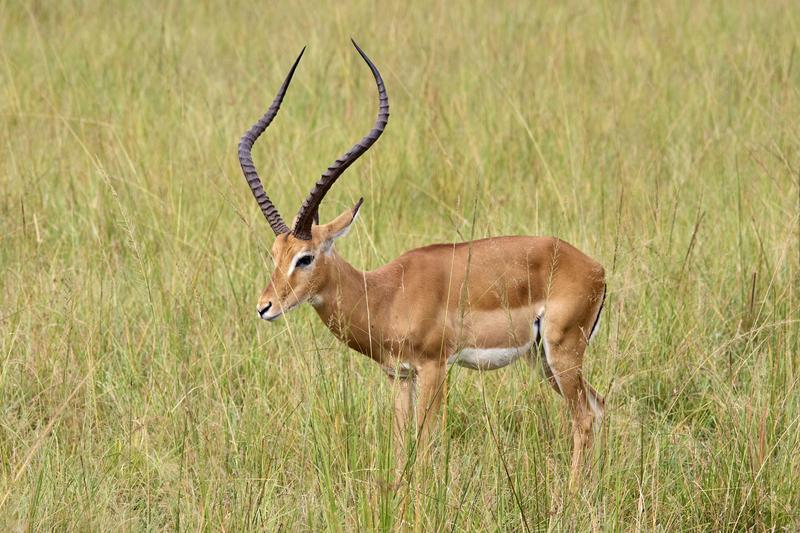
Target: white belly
{"x": 487, "y": 358}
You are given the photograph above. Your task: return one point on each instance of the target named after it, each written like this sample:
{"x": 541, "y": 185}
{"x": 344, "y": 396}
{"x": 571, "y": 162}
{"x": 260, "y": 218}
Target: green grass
{"x": 139, "y": 390}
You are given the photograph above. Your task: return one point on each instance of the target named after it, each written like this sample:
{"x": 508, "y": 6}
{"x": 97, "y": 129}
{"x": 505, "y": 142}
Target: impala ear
{"x": 339, "y": 226}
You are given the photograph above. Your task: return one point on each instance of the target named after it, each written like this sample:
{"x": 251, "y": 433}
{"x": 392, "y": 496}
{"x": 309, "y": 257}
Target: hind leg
{"x": 563, "y": 349}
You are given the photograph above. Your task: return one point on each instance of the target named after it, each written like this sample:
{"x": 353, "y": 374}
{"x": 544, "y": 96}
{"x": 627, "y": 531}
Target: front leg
{"x": 417, "y": 393}
{"x": 431, "y": 389}
{"x": 404, "y": 389}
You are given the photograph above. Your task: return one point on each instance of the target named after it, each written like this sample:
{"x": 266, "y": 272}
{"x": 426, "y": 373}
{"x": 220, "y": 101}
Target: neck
{"x": 344, "y": 304}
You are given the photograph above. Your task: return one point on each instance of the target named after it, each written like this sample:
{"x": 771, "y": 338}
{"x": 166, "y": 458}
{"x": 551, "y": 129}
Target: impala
{"x": 480, "y": 304}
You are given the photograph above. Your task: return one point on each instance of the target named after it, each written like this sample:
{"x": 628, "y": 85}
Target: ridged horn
{"x": 246, "y": 160}
{"x": 308, "y": 211}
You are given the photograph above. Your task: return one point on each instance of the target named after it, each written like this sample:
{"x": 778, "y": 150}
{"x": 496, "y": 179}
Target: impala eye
{"x": 304, "y": 261}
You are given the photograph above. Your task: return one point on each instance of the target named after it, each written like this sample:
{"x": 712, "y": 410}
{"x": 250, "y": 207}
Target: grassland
{"x": 139, "y": 391}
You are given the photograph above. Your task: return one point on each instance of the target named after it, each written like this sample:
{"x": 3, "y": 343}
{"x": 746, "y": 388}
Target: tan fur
{"x": 430, "y": 302}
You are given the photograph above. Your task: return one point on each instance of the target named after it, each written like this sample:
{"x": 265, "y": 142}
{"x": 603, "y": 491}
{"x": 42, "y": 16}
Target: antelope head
{"x": 302, "y": 255}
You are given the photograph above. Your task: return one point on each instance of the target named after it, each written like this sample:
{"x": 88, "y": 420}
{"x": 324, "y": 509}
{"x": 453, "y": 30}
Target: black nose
{"x": 263, "y": 311}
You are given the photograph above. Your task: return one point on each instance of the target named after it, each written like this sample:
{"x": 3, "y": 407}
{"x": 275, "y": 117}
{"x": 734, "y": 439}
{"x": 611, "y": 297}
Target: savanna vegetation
{"x": 138, "y": 389}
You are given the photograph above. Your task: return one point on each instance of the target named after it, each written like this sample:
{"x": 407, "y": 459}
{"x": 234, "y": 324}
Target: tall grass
{"x": 139, "y": 390}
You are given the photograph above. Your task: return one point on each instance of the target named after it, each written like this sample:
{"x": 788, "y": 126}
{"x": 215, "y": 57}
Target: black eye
{"x": 304, "y": 261}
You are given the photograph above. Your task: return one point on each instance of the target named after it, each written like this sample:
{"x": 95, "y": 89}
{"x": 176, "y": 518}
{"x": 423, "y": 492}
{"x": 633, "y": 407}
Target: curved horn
{"x": 308, "y": 211}
{"x": 246, "y": 160}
